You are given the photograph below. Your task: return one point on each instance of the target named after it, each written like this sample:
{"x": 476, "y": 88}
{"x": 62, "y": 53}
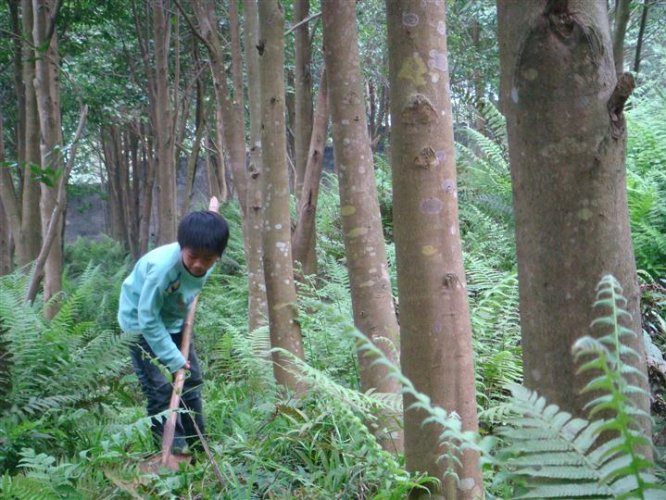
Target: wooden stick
{"x": 169, "y": 431}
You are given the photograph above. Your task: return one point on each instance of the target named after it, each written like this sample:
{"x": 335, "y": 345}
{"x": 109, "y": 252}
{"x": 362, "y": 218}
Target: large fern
{"x": 53, "y": 364}
{"x": 551, "y": 454}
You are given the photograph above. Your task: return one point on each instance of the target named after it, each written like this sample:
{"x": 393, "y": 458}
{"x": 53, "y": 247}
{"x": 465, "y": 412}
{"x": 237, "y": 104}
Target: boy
{"x": 154, "y": 301}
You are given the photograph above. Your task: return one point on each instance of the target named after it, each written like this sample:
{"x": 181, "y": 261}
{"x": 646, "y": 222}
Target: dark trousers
{"x": 157, "y": 390}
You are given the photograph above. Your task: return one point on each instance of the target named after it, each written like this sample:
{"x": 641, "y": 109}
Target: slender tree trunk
{"x": 622, "y": 11}
{"x": 303, "y": 238}
{"x": 435, "y": 321}
{"x": 372, "y": 299}
{"x": 641, "y": 34}
{"x": 47, "y": 92}
{"x": 5, "y": 230}
{"x": 257, "y": 305}
{"x": 148, "y": 160}
{"x": 303, "y": 93}
{"x": 567, "y": 146}
{"x": 162, "y": 114}
{"x": 193, "y": 159}
{"x": 17, "y": 36}
{"x": 229, "y": 111}
{"x": 29, "y": 239}
{"x": 111, "y": 161}
{"x": 278, "y": 269}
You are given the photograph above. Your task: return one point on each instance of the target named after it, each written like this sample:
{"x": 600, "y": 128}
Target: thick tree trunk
{"x": 303, "y": 93}
{"x": 567, "y": 142}
{"x": 162, "y": 114}
{"x": 278, "y": 269}
{"x": 435, "y": 321}
{"x": 257, "y": 306}
{"x": 47, "y": 92}
{"x": 372, "y": 299}
{"x": 303, "y": 238}
{"x": 622, "y": 11}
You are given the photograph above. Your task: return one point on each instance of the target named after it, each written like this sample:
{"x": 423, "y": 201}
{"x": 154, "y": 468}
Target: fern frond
{"x": 555, "y": 455}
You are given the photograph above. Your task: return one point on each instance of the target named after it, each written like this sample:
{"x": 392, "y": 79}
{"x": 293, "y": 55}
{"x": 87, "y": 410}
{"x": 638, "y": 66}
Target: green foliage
{"x": 550, "y": 454}
{"x": 646, "y": 181}
{"x": 51, "y": 365}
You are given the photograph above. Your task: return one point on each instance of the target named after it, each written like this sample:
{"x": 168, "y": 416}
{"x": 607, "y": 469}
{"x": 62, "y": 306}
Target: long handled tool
{"x": 168, "y": 459}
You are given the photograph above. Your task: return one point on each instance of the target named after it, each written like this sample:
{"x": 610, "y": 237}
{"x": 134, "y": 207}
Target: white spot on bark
{"x": 282, "y": 246}
{"x": 438, "y": 61}
{"x": 345, "y": 122}
{"x": 278, "y": 226}
{"x": 346, "y": 140}
{"x": 453, "y": 229}
{"x": 367, "y": 284}
{"x": 434, "y": 78}
{"x": 441, "y": 28}
{"x": 536, "y": 375}
{"x": 467, "y": 484}
{"x": 287, "y": 281}
{"x": 514, "y": 94}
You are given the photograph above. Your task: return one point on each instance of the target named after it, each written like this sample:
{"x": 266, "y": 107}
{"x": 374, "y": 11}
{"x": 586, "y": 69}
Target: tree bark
{"x": 278, "y": 269}
{"x": 641, "y": 34}
{"x": 622, "y": 11}
{"x": 6, "y": 266}
{"x": 372, "y": 299}
{"x": 229, "y": 110}
{"x": 47, "y": 91}
{"x": 303, "y": 119}
{"x": 303, "y": 238}
{"x": 163, "y": 125}
{"x": 193, "y": 159}
{"x": 435, "y": 322}
{"x": 567, "y": 146}
{"x": 257, "y": 305}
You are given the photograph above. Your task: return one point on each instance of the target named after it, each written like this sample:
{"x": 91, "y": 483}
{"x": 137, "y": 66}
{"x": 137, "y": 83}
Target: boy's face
{"x": 198, "y": 262}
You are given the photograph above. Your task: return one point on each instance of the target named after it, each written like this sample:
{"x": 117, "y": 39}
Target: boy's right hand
{"x": 186, "y": 366}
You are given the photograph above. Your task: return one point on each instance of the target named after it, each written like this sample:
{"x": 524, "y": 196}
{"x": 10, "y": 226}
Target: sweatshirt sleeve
{"x": 153, "y": 329}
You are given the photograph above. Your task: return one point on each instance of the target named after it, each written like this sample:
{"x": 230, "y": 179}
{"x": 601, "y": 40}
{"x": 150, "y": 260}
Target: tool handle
{"x": 169, "y": 431}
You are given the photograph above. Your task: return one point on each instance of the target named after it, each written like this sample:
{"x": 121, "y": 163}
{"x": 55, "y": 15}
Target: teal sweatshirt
{"x": 155, "y": 298}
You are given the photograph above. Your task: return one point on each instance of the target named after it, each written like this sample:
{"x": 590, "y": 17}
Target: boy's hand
{"x": 186, "y": 366}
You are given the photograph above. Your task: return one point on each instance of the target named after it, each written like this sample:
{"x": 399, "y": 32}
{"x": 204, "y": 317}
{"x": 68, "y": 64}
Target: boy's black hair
{"x": 203, "y": 230}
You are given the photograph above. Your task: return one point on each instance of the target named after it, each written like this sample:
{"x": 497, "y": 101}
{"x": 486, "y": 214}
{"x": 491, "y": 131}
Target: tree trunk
{"x": 5, "y": 230}
{"x": 372, "y": 299}
{"x": 193, "y": 159}
{"x": 303, "y": 238}
{"x": 641, "y": 34}
{"x": 148, "y": 160}
{"x": 257, "y": 306}
{"x": 303, "y": 93}
{"x": 278, "y": 269}
{"x": 435, "y": 321}
{"x": 229, "y": 111}
{"x": 567, "y": 145}
{"x": 622, "y": 11}
{"x": 47, "y": 92}
{"x": 162, "y": 114}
